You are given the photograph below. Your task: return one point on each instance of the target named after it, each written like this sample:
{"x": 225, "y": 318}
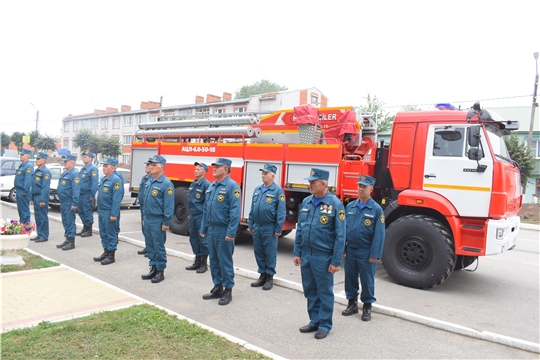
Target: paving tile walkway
{"x": 53, "y": 294}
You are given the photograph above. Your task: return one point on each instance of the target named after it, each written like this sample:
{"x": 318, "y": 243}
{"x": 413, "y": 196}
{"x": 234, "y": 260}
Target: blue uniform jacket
{"x": 68, "y": 187}
{"x": 321, "y": 228}
{"x": 365, "y": 228}
{"x": 159, "y": 198}
{"x": 142, "y": 187}
{"x": 23, "y": 177}
{"x": 222, "y": 206}
{"x": 196, "y": 194}
{"x": 268, "y": 207}
{"x": 109, "y": 195}
{"x": 89, "y": 180}
{"x": 121, "y": 182}
{"x": 41, "y": 185}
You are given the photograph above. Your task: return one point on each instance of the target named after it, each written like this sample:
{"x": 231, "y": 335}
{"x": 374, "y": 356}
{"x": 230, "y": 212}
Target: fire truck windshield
{"x": 496, "y": 139}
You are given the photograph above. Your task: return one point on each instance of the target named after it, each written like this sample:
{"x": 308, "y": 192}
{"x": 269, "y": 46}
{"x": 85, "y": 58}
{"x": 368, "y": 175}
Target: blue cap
{"x": 147, "y": 162}
{"x": 70, "y": 157}
{"x": 88, "y": 153}
{"x": 318, "y": 174}
{"x": 203, "y": 165}
{"x": 25, "y": 152}
{"x": 269, "y": 168}
{"x": 366, "y": 180}
{"x": 222, "y": 161}
{"x": 111, "y": 161}
{"x": 42, "y": 155}
{"x": 157, "y": 159}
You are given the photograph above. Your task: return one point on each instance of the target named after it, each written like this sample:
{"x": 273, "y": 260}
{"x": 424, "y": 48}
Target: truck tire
{"x": 179, "y": 222}
{"x": 463, "y": 261}
{"x": 418, "y": 252}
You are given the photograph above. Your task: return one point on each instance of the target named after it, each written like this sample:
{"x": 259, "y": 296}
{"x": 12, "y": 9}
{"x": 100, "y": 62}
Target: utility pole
{"x": 37, "y": 115}
{"x": 161, "y": 104}
{"x": 534, "y": 105}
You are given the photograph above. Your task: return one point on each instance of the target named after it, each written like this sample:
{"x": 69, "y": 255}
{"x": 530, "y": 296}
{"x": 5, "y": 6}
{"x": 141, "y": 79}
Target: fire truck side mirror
{"x": 475, "y": 154}
{"x": 473, "y": 137}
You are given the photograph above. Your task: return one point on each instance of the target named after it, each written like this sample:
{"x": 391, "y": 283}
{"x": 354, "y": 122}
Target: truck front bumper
{"x": 502, "y": 235}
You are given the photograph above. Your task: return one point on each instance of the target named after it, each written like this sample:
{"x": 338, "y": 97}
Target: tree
{"x": 45, "y": 143}
{"x": 375, "y": 106}
{"x": 84, "y": 139}
{"x": 34, "y": 138}
{"x": 5, "y": 141}
{"x": 260, "y": 87}
{"x": 110, "y": 146}
{"x": 522, "y": 154}
{"x": 17, "y": 138}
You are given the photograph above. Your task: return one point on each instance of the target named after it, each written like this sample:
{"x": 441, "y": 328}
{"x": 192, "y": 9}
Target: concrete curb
{"x": 340, "y": 299}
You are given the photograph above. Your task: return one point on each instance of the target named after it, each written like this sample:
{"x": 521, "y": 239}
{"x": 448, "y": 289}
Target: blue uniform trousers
{"x": 68, "y": 219}
{"x": 23, "y": 206}
{"x": 221, "y": 256}
{"x": 198, "y": 243}
{"x": 155, "y": 241}
{"x": 85, "y": 209}
{"x": 265, "y": 248}
{"x": 318, "y": 286}
{"x": 357, "y": 264}
{"x": 107, "y": 230}
{"x": 42, "y": 221}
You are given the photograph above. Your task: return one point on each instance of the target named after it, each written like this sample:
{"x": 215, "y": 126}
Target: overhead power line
{"x": 460, "y": 101}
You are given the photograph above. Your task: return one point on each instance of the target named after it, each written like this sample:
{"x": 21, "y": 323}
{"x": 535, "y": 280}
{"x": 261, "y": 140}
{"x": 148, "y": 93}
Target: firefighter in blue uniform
{"x": 108, "y": 202}
{"x": 117, "y": 223}
{"x": 41, "y": 185}
{"x": 89, "y": 185}
{"x": 68, "y": 192}
{"x": 140, "y": 197}
{"x": 364, "y": 246}
{"x": 196, "y": 197}
{"x": 157, "y": 213}
{"x": 266, "y": 219}
{"x": 23, "y": 186}
{"x": 220, "y": 221}
{"x": 318, "y": 248}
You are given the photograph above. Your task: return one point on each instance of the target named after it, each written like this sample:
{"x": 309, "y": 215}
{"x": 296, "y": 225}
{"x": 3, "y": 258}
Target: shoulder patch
{"x": 47, "y": 176}
{"x": 94, "y": 173}
{"x": 237, "y": 193}
{"x": 170, "y": 191}
{"x": 341, "y": 214}
{"x": 77, "y": 180}
{"x": 117, "y": 186}
{"x": 282, "y": 197}
{"x": 28, "y": 170}
{"x": 382, "y": 219}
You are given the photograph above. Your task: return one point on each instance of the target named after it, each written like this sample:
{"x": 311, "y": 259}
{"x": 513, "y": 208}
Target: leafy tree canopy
{"x": 382, "y": 117}
{"x": 45, "y": 143}
{"x": 411, "y": 108}
{"x": 5, "y": 141}
{"x": 34, "y": 137}
{"x": 259, "y": 87}
{"x": 105, "y": 145}
{"x": 522, "y": 154}
{"x": 17, "y": 138}
{"x": 110, "y": 146}
{"x": 84, "y": 139}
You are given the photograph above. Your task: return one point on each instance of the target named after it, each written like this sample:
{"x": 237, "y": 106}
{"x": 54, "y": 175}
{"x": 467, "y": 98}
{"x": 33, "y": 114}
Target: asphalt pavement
{"x": 270, "y": 320}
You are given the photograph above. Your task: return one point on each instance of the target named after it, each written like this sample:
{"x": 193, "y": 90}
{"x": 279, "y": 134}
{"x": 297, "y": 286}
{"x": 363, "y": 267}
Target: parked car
{"x": 8, "y": 165}
{"x": 7, "y": 179}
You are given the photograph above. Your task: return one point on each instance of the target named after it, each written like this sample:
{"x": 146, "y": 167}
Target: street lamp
{"x": 534, "y": 104}
{"x": 37, "y": 111}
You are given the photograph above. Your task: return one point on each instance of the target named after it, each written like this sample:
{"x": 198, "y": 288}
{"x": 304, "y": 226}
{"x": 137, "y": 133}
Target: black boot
{"x": 70, "y": 245}
{"x": 34, "y": 238}
{"x": 159, "y": 277}
{"x": 215, "y": 293}
{"x": 83, "y": 230}
{"x": 204, "y": 264}
{"x": 260, "y": 282}
{"x": 366, "y": 312}
{"x": 59, "y": 246}
{"x": 109, "y": 259}
{"x": 196, "y": 264}
{"x": 102, "y": 256}
{"x": 150, "y": 274}
{"x": 226, "y": 298}
{"x": 88, "y": 231}
{"x": 269, "y": 282}
{"x": 352, "y": 308}
{"x": 142, "y": 252}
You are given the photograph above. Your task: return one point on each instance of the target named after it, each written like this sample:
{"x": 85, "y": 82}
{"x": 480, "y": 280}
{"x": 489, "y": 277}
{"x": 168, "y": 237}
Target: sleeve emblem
{"x": 382, "y": 219}
{"x": 170, "y": 191}
{"x": 237, "y": 193}
{"x": 341, "y": 214}
{"x": 77, "y": 180}
{"x": 28, "y": 170}
{"x": 94, "y": 173}
{"x": 282, "y": 197}
{"x": 117, "y": 186}
{"x": 47, "y": 176}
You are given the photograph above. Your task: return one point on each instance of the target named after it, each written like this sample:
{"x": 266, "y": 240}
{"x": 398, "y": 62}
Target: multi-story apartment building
{"x": 124, "y": 123}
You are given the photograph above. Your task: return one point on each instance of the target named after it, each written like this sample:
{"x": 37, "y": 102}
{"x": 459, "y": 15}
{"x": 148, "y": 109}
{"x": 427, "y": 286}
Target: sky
{"x": 71, "y": 57}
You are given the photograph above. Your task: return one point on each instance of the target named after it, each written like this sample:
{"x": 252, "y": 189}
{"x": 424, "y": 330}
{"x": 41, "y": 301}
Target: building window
{"x": 185, "y": 112}
{"x": 202, "y": 111}
{"x": 66, "y": 126}
{"x": 153, "y": 118}
{"x": 75, "y": 126}
{"x": 116, "y": 123}
{"x": 128, "y": 121}
{"x": 240, "y": 109}
{"x": 85, "y": 124}
{"x": 535, "y": 146}
{"x": 104, "y": 123}
{"x": 65, "y": 144}
{"x": 127, "y": 139}
{"x": 219, "y": 111}
{"x": 141, "y": 119}
{"x": 95, "y": 123}
{"x": 126, "y": 158}
{"x": 315, "y": 99}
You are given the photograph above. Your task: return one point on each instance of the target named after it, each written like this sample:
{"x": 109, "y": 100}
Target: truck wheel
{"x": 463, "y": 261}
{"x": 179, "y": 222}
{"x": 285, "y": 233}
{"x": 12, "y": 195}
{"x": 418, "y": 252}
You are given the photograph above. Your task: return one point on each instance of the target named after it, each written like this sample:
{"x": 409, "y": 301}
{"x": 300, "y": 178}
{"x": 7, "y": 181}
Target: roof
{"x": 521, "y": 114}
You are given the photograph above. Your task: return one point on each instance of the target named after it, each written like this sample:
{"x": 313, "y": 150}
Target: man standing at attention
{"x": 140, "y": 196}
{"x": 108, "y": 202}
{"x": 365, "y": 241}
{"x": 196, "y": 196}
{"x": 41, "y": 185}
{"x": 219, "y": 224}
{"x": 23, "y": 185}
{"x": 318, "y": 248}
{"x": 68, "y": 192}
{"x": 157, "y": 213}
{"x": 89, "y": 186}
{"x": 266, "y": 219}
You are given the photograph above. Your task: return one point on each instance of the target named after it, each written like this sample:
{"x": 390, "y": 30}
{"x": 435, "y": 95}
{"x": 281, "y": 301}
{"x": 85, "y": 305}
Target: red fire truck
{"x": 446, "y": 182}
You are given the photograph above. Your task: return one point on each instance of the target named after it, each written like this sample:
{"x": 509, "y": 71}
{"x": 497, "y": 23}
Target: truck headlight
{"x": 500, "y": 233}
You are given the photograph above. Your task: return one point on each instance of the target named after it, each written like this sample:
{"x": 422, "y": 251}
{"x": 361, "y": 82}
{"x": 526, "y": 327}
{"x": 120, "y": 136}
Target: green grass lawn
{"x": 31, "y": 262}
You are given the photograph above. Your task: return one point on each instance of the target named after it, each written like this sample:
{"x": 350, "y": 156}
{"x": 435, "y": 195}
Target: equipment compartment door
{"x": 449, "y": 172}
